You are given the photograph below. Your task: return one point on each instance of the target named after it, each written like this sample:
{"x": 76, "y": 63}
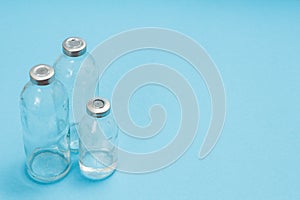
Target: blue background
{"x": 255, "y": 45}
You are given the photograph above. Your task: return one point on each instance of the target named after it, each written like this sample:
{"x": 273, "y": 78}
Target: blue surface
{"x": 256, "y": 47}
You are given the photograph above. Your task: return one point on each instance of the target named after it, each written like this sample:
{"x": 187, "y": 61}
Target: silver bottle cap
{"x": 41, "y": 74}
{"x": 74, "y": 46}
{"x": 98, "y": 107}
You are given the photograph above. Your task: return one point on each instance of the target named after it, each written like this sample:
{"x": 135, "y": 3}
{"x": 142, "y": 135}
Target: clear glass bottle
{"x": 98, "y": 135}
{"x": 44, "y": 115}
{"x": 67, "y": 67}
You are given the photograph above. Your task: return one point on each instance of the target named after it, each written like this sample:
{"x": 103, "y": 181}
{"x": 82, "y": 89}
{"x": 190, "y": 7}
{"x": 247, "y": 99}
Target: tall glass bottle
{"x": 67, "y": 67}
{"x": 98, "y": 134}
{"x": 44, "y": 116}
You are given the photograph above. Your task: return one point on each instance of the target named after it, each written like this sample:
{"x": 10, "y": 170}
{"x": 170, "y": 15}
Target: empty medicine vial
{"x": 44, "y": 114}
{"x": 66, "y": 68}
{"x": 98, "y": 134}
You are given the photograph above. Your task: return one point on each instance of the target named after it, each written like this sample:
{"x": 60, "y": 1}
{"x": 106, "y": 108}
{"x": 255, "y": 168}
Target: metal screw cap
{"x": 41, "y": 74}
{"x": 74, "y": 46}
{"x": 98, "y": 107}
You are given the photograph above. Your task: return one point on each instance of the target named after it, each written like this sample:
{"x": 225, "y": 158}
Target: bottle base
{"x": 97, "y": 174}
{"x": 92, "y": 166}
{"x": 48, "y": 166}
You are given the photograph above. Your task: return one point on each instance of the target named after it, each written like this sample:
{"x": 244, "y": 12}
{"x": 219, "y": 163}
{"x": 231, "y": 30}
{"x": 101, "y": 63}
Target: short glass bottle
{"x": 44, "y": 116}
{"x": 67, "y": 67}
{"x": 98, "y": 135}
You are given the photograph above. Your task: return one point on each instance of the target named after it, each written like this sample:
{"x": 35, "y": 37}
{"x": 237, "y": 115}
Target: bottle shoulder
{"x": 34, "y": 94}
{"x": 67, "y": 68}
{"x": 87, "y": 120}
{"x": 68, "y": 61}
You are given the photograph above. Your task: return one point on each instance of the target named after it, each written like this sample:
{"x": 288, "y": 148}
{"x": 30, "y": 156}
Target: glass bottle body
{"x": 44, "y": 116}
{"x": 66, "y": 69}
{"x": 98, "y": 152}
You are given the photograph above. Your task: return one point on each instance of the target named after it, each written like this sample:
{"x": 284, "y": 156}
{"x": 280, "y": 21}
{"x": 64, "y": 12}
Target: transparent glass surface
{"x": 44, "y": 116}
{"x": 66, "y": 69}
{"x": 98, "y": 141}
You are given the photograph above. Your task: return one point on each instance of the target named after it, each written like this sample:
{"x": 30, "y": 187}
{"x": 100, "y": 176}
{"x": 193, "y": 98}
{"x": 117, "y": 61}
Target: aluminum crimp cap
{"x": 74, "y": 46}
{"x": 98, "y": 107}
{"x": 41, "y": 74}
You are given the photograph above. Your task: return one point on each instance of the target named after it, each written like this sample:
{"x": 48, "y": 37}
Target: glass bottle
{"x": 98, "y": 134}
{"x": 67, "y": 67}
{"x": 44, "y": 115}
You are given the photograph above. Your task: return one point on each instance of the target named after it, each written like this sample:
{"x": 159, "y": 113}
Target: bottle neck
{"x": 42, "y": 82}
{"x": 80, "y": 57}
